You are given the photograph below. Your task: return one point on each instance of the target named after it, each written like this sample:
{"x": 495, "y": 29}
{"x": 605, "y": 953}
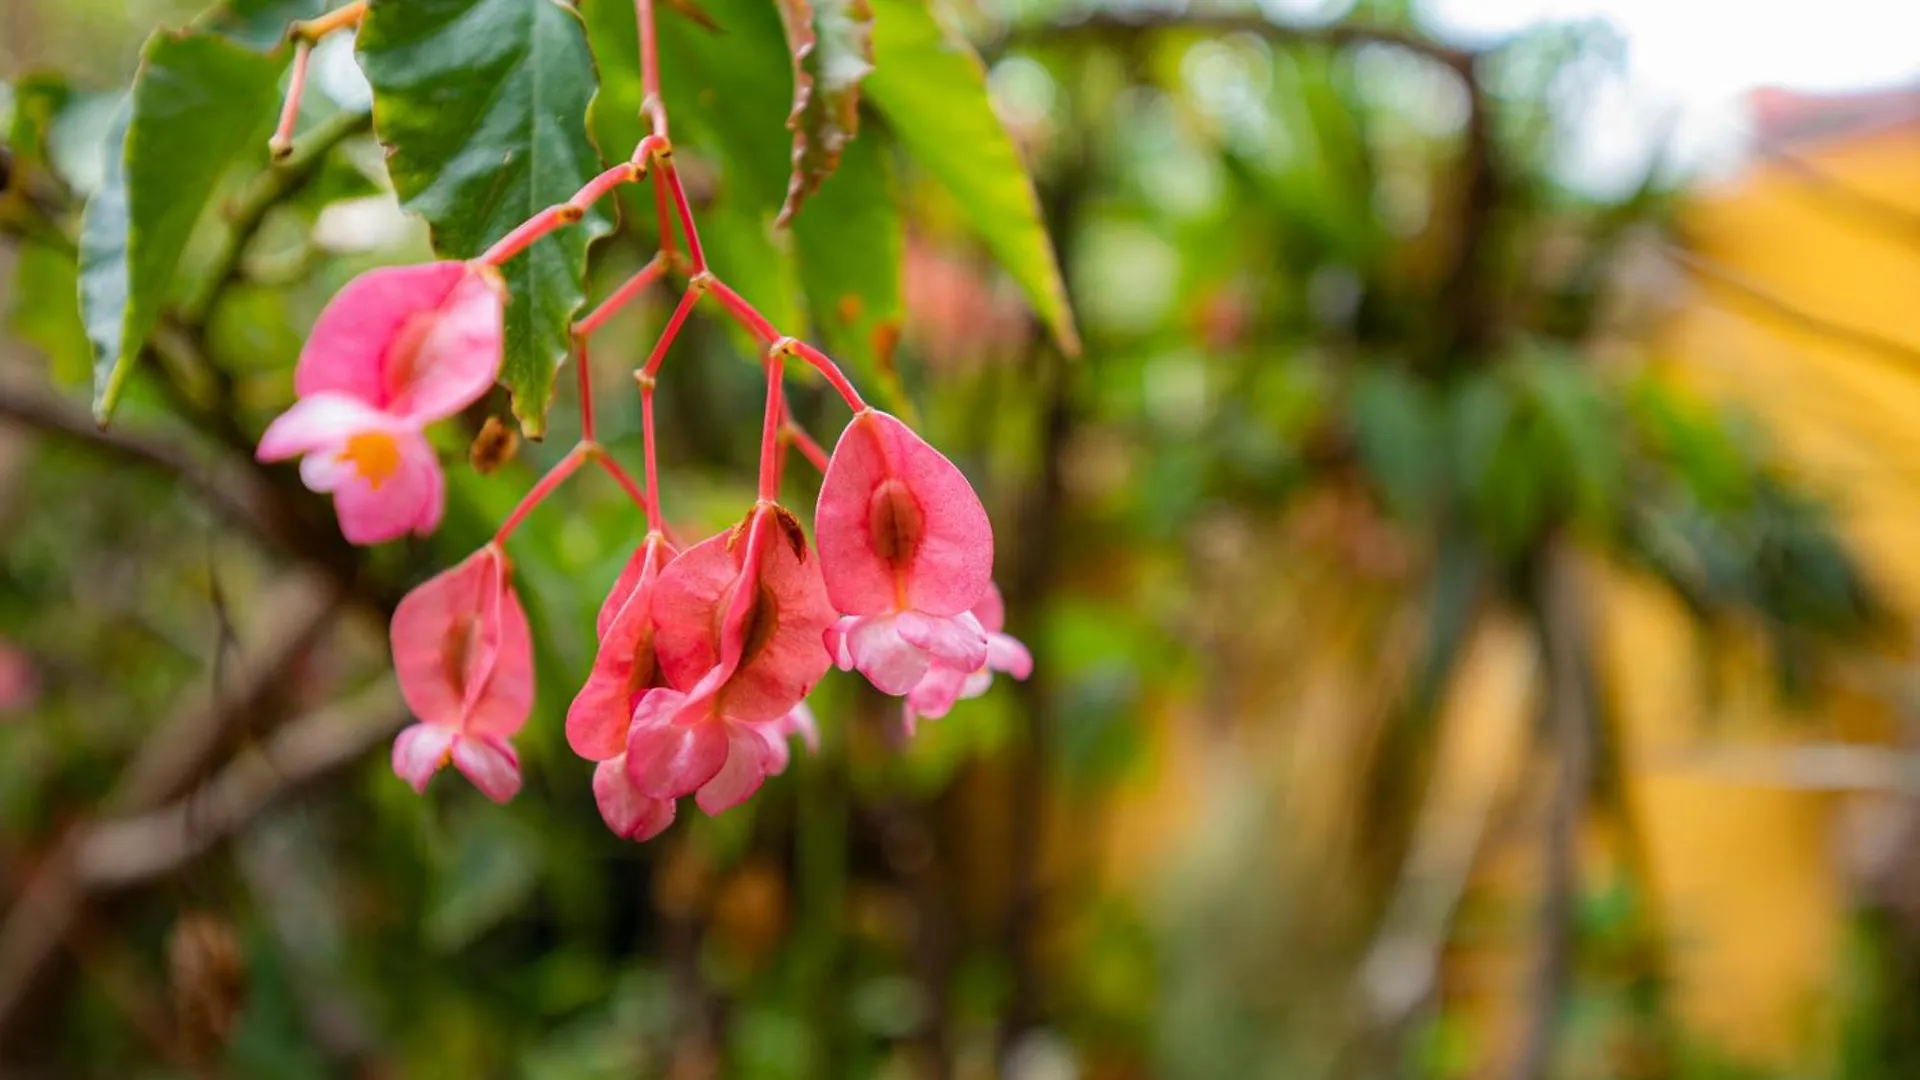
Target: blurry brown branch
{"x": 128, "y": 851}
{"x": 1564, "y": 628}
{"x": 237, "y": 494}
{"x": 181, "y": 748}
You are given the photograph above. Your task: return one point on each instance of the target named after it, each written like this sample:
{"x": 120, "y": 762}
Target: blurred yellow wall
{"x": 1803, "y": 301}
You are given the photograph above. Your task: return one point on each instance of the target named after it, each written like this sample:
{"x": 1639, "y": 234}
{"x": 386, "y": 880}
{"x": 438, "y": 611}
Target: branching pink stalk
{"x": 305, "y": 36}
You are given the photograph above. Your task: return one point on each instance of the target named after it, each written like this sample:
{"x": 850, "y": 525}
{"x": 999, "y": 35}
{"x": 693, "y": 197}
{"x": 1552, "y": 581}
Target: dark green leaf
{"x": 933, "y": 89}
{"x": 197, "y": 104}
{"x": 482, "y": 105}
{"x": 850, "y": 244}
{"x": 832, "y": 47}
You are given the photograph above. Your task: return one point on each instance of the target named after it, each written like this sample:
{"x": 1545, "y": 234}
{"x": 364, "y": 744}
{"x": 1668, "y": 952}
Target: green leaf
{"x": 933, "y": 90}
{"x": 43, "y": 312}
{"x": 482, "y": 105}
{"x": 196, "y": 106}
{"x": 260, "y": 25}
{"x": 832, "y": 49}
{"x": 850, "y": 244}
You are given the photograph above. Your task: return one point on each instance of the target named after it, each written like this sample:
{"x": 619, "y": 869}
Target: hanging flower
{"x": 465, "y": 664}
{"x": 906, "y": 550}
{"x": 738, "y": 623}
{"x": 396, "y": 350}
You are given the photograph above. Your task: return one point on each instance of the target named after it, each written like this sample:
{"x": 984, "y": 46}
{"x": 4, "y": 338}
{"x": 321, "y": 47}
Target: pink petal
{"x": 419, "y": 341}
{"x": 646, "y": 562}
{"x": 935, "y": 694}
{"x": 835, "y": 640}
{"x": 462, "y": 651}
{"x": 991, "y": 610}
{"x": 976, "y": 684}
{"x": 938, "y": 557}
{"x": 802, "y": 723}
{"x": 320, "y": 422}
{"x": 741, "y": 776}
{"x": 506, "y": 700}
{"x": 957, "y": 642}
{"x": 671, "y": 759}
{"x": 623, "y": 668}
{"x": 629, "y": 812}
{"x": 440, "y": 617}
{"x": 780, "y": 651}
{"x": 1005, "y": 653}
{"x": 490, "y": 763}
{"x": 416, "y": 493}
{"x": 883, "y": 656}
{"x": 419, "y": 751}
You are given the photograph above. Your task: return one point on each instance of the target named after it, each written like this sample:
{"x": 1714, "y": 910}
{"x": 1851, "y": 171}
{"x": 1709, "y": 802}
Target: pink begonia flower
{"x": 933, "y": 698}
{"x": 906, "y": 550}
{"x": 396, "y": 350}
{"x": 465, "y": 665}
{"x": 738, "y": 622}
{"x": 623, "y": 670}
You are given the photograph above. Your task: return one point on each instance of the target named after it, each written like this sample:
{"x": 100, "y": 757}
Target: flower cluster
{"x": 706, "y": 652}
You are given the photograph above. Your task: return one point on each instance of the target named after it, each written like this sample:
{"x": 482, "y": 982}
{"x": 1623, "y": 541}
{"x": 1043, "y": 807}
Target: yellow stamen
{"x": 374, "y": 455}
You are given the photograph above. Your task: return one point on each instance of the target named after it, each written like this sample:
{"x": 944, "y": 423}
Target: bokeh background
{"x": 1471, "y": 571}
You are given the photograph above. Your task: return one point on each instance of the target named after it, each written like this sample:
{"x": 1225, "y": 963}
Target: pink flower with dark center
{"x": 906, "y": 550}
{"x": 933, "y": 698}
{"x": 623, "y": 671}
{"x": 396, "y": 350}
{"x": 465, "y": 664}
{"x": 738, "y": 622}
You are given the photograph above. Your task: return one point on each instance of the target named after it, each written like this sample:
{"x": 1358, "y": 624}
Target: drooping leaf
{"x": 260, "y": 25}
{"x": 482, "y": 105}
{"x": 850, "y": 244}
{"x": 832, "y": 47}
{"x": 933, "y": 89}
{"x": 197, "y": 104}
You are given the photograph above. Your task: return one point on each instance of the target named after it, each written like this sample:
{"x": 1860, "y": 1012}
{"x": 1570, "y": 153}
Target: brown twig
{"x": 129, "y": 851}
{"x": 180, "y": 748}
{"x": 1562, "y": 624}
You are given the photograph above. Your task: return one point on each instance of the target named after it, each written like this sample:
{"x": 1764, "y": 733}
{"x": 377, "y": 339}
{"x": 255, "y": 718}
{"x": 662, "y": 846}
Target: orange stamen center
{"x": 374, "y": 455}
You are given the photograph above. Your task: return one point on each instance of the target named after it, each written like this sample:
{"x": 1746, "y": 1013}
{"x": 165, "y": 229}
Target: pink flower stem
{"x": 679, "y": 317}
{"x": 281, "y": 144}
{"x": 834, "y": 376}
{"x": 582, "y": 369}
{"x": 535, "y": 227}
{"x": 594, "y": 190}
{"x": 622, "y": 296}
{"x": 554, "y": 478}
{"x": 339, "y": 18}
{"x": 663, "y": 210}
{"x": 745, "y": 314}
{"x": 626, "y": 483}
{"x": 770, "y": 428}
{"x": 652, "y": 507}
{"x": 680, "y": 205}
{"x": 651, "y": 104}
